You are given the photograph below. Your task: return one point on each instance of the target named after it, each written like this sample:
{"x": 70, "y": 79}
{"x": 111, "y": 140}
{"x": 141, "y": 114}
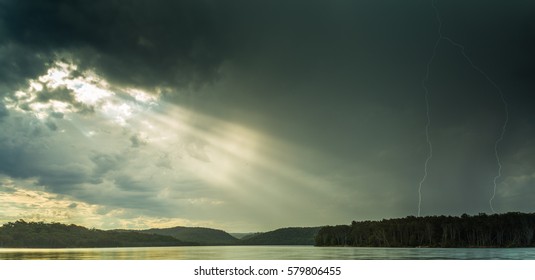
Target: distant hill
{"x": 239, "y": 235}
{"x": 251, "y": 235}
{"x": 203, "y": 236}
{"x": 21, "y": 234}
{"x": 283, "y": 236}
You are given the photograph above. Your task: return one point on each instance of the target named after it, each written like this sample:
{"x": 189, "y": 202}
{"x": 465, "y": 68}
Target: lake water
{"x": 268, "y": 253}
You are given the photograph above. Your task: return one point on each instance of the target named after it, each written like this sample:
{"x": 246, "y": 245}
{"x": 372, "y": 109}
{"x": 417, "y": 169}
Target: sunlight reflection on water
{"x": 267, "y": 253}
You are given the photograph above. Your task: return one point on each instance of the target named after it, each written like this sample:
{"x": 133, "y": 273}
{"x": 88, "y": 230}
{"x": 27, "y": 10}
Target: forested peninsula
{"x": 21, "y": 234}
{"x": 497, "y": 230}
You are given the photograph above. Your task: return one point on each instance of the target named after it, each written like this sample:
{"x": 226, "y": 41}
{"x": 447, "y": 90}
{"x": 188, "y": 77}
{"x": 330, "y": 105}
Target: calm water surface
{"x": 267, "y": 253}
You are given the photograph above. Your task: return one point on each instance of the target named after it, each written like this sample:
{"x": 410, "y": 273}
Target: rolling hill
{"x": 202, "y": 236}
{"x": 21, "y": 234}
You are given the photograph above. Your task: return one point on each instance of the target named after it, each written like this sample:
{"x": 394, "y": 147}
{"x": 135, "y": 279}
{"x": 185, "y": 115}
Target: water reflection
{"x": 266, "y": 253}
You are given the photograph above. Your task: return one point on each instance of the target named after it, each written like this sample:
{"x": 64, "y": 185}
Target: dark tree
{"x": 498, "y": 230}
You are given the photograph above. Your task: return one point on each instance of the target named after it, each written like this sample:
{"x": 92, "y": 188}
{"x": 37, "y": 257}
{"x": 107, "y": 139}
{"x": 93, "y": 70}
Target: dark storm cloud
{"x": 62, "y": 178}
{"x": 140, "y": 43}
{"x": 60, "y": 168}
{"x": 19, "y": 62}
{"x": 24, "y": 154}
{"x": 33, "y": 149}
{"x": 18, "y": 163}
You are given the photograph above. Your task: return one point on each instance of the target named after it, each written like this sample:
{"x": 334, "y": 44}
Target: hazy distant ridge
{"x": 208, "y": 236}
{"x": 203, "y": 236}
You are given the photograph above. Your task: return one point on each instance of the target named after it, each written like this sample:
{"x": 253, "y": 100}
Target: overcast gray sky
{"x": 255, "y": 115}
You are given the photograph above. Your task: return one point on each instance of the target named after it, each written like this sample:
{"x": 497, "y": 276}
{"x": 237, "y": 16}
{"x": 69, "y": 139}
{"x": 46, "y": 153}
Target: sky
{"x": 255, "y": 115}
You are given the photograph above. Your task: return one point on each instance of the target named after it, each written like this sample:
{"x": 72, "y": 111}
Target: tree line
{"x": 22, "y": 234}
{"x": 512, "y": 229}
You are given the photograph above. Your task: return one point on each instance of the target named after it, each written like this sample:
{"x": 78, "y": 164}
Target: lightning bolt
{"x": 426, "y": 95}
{"x": 486, "y": 76}
{"x": 504, "y": 126}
